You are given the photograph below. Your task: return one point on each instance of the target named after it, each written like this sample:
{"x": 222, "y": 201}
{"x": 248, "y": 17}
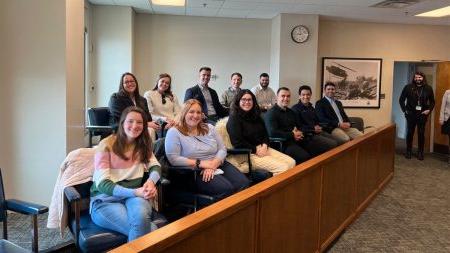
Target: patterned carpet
{"x": 412, "y": 214}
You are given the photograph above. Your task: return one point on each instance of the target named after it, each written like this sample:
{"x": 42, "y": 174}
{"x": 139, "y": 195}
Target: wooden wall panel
{"x": 386, "y": 143}
{"x": 236, "y": 233}
{"x": 338, "y": 195}
{"x": 367, "y": 170}
{"x": 442, "y": 84}
{"x": 289, "y": 217}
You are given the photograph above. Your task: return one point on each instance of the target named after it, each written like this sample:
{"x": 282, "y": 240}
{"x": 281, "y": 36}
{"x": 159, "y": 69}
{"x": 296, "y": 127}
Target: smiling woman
{"x": 193, "y": 143}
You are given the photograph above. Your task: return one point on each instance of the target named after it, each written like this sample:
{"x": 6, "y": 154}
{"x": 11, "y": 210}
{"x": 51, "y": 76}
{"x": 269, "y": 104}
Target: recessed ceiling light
{"x": 169, "y": 2}
{"x": 442, "y": 12}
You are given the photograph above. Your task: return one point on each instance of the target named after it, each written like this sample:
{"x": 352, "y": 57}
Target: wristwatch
{"x": 197, "y": 163}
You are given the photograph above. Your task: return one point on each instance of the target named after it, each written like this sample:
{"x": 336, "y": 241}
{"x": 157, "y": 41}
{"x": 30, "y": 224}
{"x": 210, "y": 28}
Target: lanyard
{"x": 419, "y": 95}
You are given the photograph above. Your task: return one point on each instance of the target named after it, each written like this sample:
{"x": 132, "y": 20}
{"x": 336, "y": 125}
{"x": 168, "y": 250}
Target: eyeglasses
{"x": 246, "y": 100}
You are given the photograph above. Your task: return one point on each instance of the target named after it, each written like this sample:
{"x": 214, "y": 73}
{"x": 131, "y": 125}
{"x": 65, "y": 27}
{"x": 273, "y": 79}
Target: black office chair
{"x": 22, "y": 207}
{"x": 87, "y": 235}
{"x": 98, "y": 119}
{"x": 358, "y": 123}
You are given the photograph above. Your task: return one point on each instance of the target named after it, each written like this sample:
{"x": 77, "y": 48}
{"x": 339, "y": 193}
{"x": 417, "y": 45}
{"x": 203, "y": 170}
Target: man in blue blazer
{"x": 208, "y": 97}
{"x": 332, "y": 115}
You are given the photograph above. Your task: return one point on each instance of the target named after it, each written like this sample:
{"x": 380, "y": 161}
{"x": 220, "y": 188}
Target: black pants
{"x": 413, "y": 120}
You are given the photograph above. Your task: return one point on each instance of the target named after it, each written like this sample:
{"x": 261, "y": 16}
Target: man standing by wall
{"x": 208, "y": 97}
{"x": 264, "y": 94}
{"x": 416, "y": 101}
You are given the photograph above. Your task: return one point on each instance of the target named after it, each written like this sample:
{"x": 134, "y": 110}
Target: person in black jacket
{"x": 416, "y": 101}
{"x": 331, "y": 113}
{"x": 247, "y": 130}
{"x": 281, "y": 122}
{"x": 211, "y": 106}
{"x": 128, "y": 95}
{"x": 308, "y": 117}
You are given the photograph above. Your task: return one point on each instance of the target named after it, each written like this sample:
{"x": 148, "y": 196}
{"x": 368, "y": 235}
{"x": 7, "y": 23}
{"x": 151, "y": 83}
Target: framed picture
{"x": 357, "y": 80}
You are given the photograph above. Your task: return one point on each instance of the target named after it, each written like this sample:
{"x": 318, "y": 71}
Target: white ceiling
{"x": 267, "y": 9}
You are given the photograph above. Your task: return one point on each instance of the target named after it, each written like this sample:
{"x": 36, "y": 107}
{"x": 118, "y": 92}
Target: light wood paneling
{"x": 290, "y": 216}
{"x": 338, "y": 194}
{"x": 367, "y": 170}
{"x": 301, "y": 210}
{"x": 386, "y": 146}
{"x": 238, "y": 228}
{"x": 442, "y": 84}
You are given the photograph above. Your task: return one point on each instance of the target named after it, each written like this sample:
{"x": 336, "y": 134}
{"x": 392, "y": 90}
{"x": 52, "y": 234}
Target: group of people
{"x": 120, "y": 193}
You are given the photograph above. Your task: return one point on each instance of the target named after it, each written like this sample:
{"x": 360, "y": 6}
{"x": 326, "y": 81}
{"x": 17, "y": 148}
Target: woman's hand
{"x": 441, "y": 122}
{"x": 261, "y": 150}
{"x": 170, "y": 123}
{"x": 150, "y": 190}
{"x": 153, "y": 125}
{"x": 140, "y": 192}
{"x": 208, "y": 174}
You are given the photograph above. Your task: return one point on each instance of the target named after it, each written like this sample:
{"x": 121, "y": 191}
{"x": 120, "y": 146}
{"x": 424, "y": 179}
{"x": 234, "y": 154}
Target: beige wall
{"x": 41, "y": 103}
{"x": 112, "y": 40}
{"x": 293, "y": 63}
{"x": 181, "y": 45}
{"x": 391, "y": 42}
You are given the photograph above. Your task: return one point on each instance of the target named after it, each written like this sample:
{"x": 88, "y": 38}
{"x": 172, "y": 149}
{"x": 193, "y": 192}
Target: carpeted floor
{"x": 412, "y": 214}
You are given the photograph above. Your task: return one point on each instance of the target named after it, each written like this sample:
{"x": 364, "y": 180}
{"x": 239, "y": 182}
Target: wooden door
{"x": 442, "y": 84}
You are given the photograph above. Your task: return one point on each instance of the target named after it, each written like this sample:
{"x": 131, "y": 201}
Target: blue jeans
{"x": 131, "y": 216}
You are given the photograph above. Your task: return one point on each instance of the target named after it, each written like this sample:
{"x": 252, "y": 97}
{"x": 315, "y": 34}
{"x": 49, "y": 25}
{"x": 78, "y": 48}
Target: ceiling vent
{"x": 395, "y": 4}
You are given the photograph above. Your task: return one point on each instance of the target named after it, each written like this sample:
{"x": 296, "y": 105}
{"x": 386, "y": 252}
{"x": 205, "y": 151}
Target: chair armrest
{"x": 183, "y": 168}
{"x": 277, "y": 139}
{"x": 24, "y": 207}
{"x": 239, "y": 151}
{"x": 164, "y": 181}
{"x": 72, "y": 194}
{"x": 99, "y": 128}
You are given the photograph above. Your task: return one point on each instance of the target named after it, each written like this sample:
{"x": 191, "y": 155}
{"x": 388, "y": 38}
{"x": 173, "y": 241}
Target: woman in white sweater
{"x": 162, "y": 103}
{"x": 444, "y": 116}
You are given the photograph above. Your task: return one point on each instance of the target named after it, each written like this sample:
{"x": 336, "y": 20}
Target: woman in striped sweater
{"x": 119, "y": 200}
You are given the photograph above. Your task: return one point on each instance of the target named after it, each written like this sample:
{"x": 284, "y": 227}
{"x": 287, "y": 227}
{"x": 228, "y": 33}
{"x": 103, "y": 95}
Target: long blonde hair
{"x": 202, "y": 127}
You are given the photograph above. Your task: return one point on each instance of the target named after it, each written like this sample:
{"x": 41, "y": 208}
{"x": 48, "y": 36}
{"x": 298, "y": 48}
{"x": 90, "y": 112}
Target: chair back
{"x": 98, "y": 116}
{"x": 357, "y": 122}
{"x": 2, "y": 200}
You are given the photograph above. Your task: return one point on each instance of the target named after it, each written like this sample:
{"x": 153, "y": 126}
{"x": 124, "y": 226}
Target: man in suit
{"x": 208, "y": 97}
{"x": 331, "y": 113}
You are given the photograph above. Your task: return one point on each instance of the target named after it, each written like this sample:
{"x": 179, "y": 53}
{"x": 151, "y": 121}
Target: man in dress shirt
{"x": 233, "y": 90}
{"x": 208, "y": 97}
{"x": 264, "y": 94}
{"x": 331, "y": 113}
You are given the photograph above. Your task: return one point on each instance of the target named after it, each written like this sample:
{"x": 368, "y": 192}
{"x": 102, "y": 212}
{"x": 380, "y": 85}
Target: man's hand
{"x": 426, "y": 112}
{"x": 317, "y": 129}
{"x": 298, "y": 135}
{"x": 344, "y": 125}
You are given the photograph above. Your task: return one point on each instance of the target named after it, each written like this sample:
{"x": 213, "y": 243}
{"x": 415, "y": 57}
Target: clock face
{"x": 300, "y": 34}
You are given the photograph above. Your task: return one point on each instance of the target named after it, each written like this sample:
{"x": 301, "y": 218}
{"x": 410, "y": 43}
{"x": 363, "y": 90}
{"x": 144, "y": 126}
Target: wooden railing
{"x": 301, "y": 210}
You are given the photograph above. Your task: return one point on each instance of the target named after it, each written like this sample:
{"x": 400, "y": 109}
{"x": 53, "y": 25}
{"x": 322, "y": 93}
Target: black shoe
{"x": 420, "y": 156}
{"x": 408, "y": 155}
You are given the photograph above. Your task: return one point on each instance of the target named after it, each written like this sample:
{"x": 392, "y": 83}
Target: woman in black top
{"x": 247, "y": 130}
{"x": 128, "y": 95}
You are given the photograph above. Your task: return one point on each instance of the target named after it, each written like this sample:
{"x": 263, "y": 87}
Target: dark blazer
{"x": 119, "y": 102}
{"x": 327, "y": 116}
{"x": 196, "y": 93}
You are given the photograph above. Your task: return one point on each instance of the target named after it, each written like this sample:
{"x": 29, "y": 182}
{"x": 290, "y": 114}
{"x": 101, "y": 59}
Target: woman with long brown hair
{"x": 119, "y": 201}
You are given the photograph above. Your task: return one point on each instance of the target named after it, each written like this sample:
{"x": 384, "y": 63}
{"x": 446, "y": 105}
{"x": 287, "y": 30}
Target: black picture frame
{"x": 357, "y": 80}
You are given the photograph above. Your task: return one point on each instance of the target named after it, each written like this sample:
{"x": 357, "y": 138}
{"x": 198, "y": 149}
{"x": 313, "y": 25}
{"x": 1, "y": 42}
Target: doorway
{"x": 403, "y": 74}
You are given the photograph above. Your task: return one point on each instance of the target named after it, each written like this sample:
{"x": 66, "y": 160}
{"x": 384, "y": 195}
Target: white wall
{"x": 180, "y": 45}
{"x": 112, "y": 39}
{"x": 391, "y": 42}
{"x": 33, "y": 109}
{"x": 296, "y": 63}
